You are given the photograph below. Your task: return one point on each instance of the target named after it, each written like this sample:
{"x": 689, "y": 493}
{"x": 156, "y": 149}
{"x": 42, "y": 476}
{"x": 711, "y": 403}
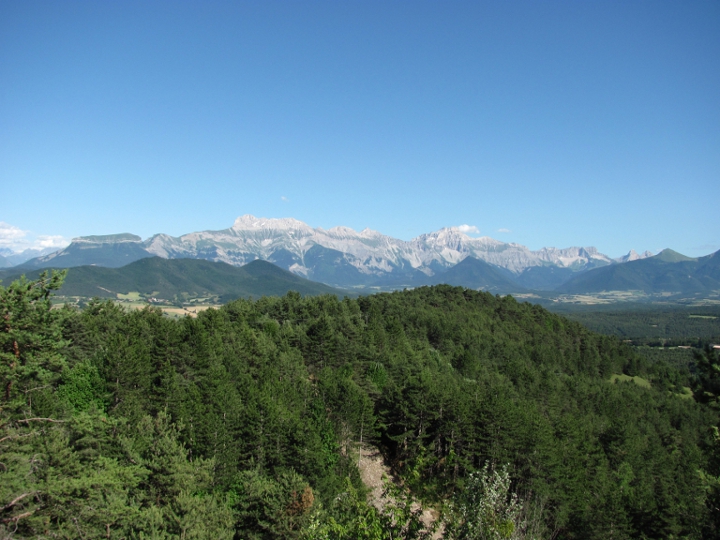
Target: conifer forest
{"x": 505, "y": 419}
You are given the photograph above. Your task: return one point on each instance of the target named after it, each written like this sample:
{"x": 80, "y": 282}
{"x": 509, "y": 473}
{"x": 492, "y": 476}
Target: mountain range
{"x": 339, "y": 256}
{"x": 9, "y": 258}
{"x": 368, "y": 260}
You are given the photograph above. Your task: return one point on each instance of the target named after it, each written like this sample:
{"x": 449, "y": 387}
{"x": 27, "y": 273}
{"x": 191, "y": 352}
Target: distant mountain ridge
{"x": 9, "y": 258}
{"x": 339, "y": 256}
{"x": 367, "y": 260}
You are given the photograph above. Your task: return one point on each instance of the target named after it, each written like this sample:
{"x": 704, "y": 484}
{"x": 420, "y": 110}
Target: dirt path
{"x": 373, "y": 472}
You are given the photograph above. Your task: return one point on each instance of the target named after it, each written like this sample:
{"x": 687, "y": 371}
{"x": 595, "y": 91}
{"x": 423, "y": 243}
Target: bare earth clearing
{"x": 374, "y": 472}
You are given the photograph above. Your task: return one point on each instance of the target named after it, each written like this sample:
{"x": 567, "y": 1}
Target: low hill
{"x": 544, "y": 278}
{"x": 169, "y": 279}
{"x": 478, "y": 275}
{"x": 671, "y": 256}
{"x": 332, "y": 266}
{"x": 668, "y": 271}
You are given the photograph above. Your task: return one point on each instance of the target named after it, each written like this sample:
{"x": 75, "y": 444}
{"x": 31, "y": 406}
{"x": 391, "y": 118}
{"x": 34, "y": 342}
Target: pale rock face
{"x": 634, "y": 256}
{"x": 164, "y": 246}
{"x": 249, "y": 223}
{"x": 299, "y": 269}
{"x": 573, "y": 257}
{"x": 369, "y": 251}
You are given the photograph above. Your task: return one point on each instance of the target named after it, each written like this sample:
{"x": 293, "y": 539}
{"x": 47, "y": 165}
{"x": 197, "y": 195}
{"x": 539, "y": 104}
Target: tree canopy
{"x": 245, "y": 422}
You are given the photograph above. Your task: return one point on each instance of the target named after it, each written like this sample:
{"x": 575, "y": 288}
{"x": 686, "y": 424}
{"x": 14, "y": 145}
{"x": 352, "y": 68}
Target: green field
{"x": 625, "y": 378}
{"x": 134, "y": 295}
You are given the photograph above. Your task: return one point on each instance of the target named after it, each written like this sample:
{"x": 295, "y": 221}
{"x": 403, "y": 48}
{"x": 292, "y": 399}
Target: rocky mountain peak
{"x": 634, "y": 256}
{"x": 370, "y": 233}
{"x": 250, "y": 222}
{"x": 446, "y": 237}
{"x": 342, "y": 232}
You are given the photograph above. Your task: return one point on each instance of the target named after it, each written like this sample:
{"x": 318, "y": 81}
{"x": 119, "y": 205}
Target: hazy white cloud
{"x": 284, "y": 198}
{"x": 54, "y": 241}
{"x": 17, "y": 240}
{"x": 10, "y": 235}
{"x": 504, "y": 230}
{"x": 468, "y": 229}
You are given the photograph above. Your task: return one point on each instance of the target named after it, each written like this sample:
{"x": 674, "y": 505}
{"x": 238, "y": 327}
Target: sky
{"x": 545, "y": 123}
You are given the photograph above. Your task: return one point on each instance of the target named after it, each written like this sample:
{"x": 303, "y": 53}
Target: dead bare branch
{"x": 17, "y": 500}
{"x": 11, "y": 437}
{"x": 27, "y": 420}
{"x": 18, "y": 517}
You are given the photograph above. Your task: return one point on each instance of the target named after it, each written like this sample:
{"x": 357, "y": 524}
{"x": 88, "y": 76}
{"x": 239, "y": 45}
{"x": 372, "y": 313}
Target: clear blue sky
{"x": 564, "y": 123}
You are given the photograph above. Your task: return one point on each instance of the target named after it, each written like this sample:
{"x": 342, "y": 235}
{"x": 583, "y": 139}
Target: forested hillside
{"x": 245, "y": 421}
{"x": 178, "y": 279}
